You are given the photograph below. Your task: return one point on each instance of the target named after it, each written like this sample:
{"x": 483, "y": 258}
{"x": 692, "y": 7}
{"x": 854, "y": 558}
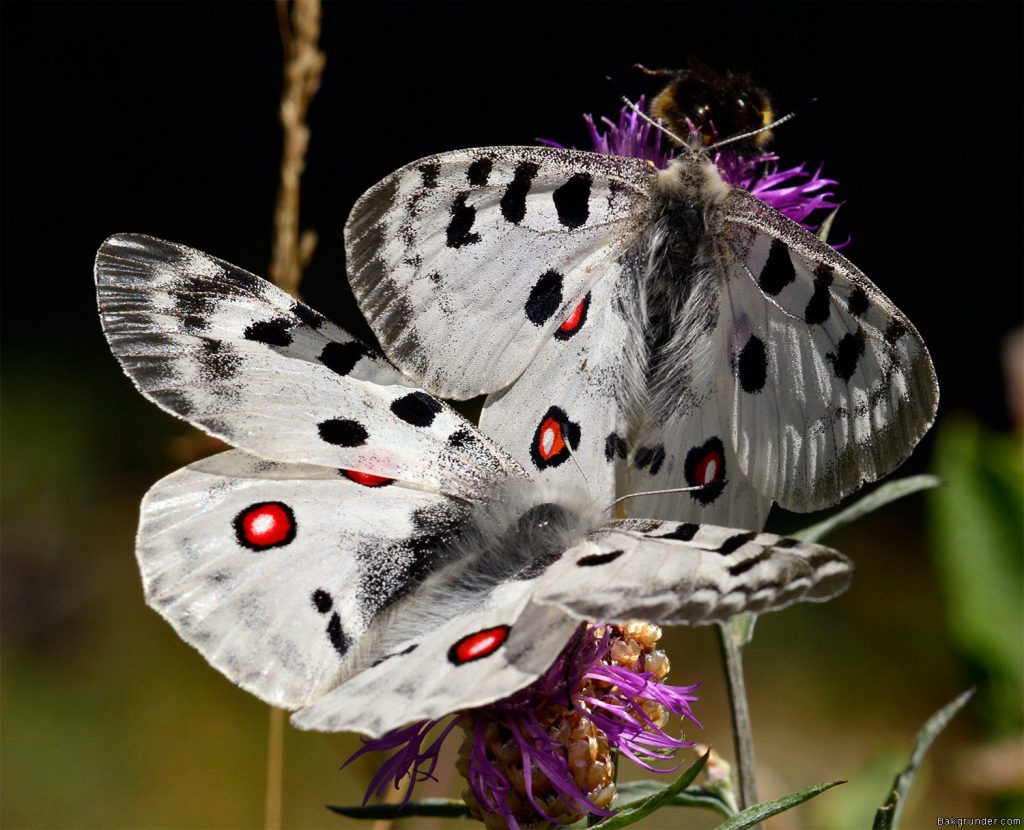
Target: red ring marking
{"x": 573, "y": 320}
{"x": 266, "y": 525}
{"x": 478, "y": 645}
{"x": 550, "y": 425}
{"x": 366, "y": 479}
{"x": 709, "y": 468}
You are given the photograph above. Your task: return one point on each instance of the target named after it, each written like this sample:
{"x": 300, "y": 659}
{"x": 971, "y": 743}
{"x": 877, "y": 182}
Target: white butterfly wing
{"x": 239, "y": 358}
{"x": 562, "y": 418}
{"x": 693, "y": 449}
{"x": 680, "y": 573}
{"x": 466, "y": 263}
{"x": 829, "y": 385}
{"x": 470, "y": 661}
{"x": 274, "y": 571}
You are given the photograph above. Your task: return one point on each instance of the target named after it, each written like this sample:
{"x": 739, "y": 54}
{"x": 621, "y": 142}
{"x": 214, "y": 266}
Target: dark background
{"x": 160, "y": 118}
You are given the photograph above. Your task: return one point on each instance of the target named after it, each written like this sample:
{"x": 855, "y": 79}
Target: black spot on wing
{"x": 343, "y": 357}
{"x": 460, "y": 228}
{"x": 513, "y": 202}
{"x": 479, "y": 172}
{"x": 894, "y": 330}
{"x": 847, "y": 354}
{"x": 461, "y": 438}
{"x": 311, "y": 318}
{"x": 572, "y": 200}
{"x": 778, "y": 270}
{"x": 322, "y": 601}
{"x": 342, "y": 432}
{"x": 545, "y": 298}
{"x": 416, "y": 408}
{"x": 217, "y": 361}
{"x": 593, "y": 559}
{"x": 683, "y": 532}
{"x": 429, "y": 174}
{"x": 192, "y": 308}
{"x": 734, "y": 543}
{"x": 858, "y": 302}
{"x": 752, "y": 365}
{"x": 614, "y": 445}
{"x": 337, "y": 635}
{"x": 276, "y": 332}
{"x": 653, "y": 457}
{"x": 747, "y": 564}
{"x": 820, "y": 305}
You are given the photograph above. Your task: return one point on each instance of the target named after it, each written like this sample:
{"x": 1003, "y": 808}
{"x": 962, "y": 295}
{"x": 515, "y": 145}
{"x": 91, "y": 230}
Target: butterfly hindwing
{"x": 688, "y": 574}
{"x": 478, "y": 657}
{"x": 466, "y": 263}
{"x": 274, "y": 572}
{"x": 692, "y": 450}
{"x": 239, "y": 358}
{"x": 562, "y": 419}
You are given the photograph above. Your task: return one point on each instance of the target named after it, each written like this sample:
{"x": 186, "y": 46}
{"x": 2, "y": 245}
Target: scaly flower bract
{"x": 544, "y": 753}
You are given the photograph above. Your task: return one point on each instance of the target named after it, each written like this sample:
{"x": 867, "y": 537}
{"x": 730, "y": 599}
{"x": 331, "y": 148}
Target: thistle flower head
{"x": 544, "y": 755}
{"x": 795, "y": 192}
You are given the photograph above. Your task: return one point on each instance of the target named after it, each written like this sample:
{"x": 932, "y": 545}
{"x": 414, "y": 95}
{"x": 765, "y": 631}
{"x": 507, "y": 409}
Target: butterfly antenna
{"x": 656, "y": 124}
{"x": 659, "y": 493}
{"x": 777, "y": 122}
{"x": 572, "y": 455}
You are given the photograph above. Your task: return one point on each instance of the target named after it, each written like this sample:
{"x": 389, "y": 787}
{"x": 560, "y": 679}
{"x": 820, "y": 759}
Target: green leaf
{"x": 888, "y": 815}
{"x": 633, "y": 812}
{"x": 976, "y": 530}
{"x": 634, "y": 791}
{"x": 878, "y": 497}
{"x": 826, "y": 226}
{"x": 766, "y": 809}
{"x": 434, "y": 807}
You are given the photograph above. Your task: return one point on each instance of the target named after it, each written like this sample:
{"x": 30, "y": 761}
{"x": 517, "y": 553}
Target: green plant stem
{"x": 732, "y": 636}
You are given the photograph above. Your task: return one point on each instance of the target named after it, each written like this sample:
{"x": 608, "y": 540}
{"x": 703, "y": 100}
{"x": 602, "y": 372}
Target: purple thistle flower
{"x": 793, "y": 192}
{"x": 545, "y": 751}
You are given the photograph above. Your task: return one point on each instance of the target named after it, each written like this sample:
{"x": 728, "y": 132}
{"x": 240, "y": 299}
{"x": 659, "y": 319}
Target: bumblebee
{"x": 700, "y": 101}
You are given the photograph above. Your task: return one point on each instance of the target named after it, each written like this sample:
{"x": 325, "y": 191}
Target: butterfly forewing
{"x": 466, "y": 263}
{"x": 831, "y": 385}
{"x": 237, "y": 357}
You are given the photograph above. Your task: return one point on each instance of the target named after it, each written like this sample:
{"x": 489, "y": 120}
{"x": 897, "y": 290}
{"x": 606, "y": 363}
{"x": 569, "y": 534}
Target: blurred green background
{"x": 160, "y": 118}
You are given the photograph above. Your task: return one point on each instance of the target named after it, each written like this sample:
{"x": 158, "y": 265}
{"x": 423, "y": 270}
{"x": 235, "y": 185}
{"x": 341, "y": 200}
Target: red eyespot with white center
{"x": 705, "y": 468}
{"x": 550, "y": 442}
{"x": 554, "y": 435}
{"x": 366, "y": 479}
{"x": 478, "y": 645}
{"x": 574, "y": 322}
{"x": 708, "y": 467}
{"x": 268, "y": 524}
